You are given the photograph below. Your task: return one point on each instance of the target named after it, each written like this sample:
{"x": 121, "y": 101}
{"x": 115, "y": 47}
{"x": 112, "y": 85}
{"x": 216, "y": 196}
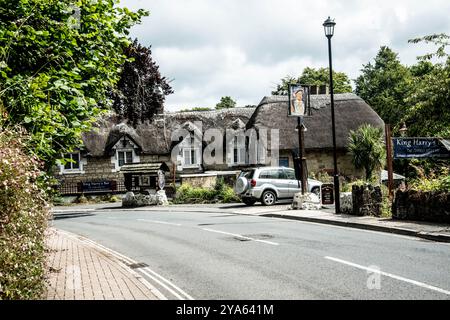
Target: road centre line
{"x": 241, "y": 236}
{"x": 160, "y": 222}
{"x": 390, "y": 275}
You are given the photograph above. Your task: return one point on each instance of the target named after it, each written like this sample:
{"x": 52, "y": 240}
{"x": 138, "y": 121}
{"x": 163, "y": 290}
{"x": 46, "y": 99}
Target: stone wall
{"x": 200, "y": 180}
{"x": 367, "y": 201}
{"x": 102, "y": 169}
{"x": 422, "y": 206}
{"x": 94, "y": 169}
{"x": 323, "y": 161}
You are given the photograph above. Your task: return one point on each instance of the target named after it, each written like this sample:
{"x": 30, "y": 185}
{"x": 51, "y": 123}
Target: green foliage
{"x": 311, "y": 76}
{"x": 441, "y": 40}
{"x": 23, "y": 220}
{"x": 367, "y": 149}
{"x": 220, "y": 193}
{"x": 55, "y": 77}
{"x": 347, "y": 186}
{"x": 386, "y": 208}
{"x": 385, "y": 85}
{"x": 429, "y": 114}
{"x": 416, "y": 95}
{"x": 431, "y": 180}
{"x": 321, "y": 176}
{"x": 196, "y": 109}
{"x": 226, "y": 103}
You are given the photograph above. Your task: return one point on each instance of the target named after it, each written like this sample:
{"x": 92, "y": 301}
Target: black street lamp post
{"x": 329, "y": 31}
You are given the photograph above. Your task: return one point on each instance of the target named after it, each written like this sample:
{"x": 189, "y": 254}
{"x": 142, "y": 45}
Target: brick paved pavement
{"x": 78, "y": 270}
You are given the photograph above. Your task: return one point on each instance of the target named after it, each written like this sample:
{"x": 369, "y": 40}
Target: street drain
{"x": 138, "y": 265}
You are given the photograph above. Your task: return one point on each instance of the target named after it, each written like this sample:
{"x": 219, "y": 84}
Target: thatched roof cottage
{"x": 112, "y": 144}
{"x": 350, "y": 113}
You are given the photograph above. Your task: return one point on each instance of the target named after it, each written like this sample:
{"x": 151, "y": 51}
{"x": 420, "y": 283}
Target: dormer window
{"x": 125, "y": 157}
{"x": 239, "y": 152}
{"x": 125, "y": 152}
{"x": 191, "y": 152}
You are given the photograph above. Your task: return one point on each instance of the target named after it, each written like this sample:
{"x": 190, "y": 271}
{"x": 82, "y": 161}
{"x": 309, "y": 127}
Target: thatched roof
{"x": 154, "y": 137}
{"x": 350, "y": 113}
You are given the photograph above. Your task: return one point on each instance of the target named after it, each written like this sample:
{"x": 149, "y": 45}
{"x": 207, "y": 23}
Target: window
{"x": 74, "y": 164}
{"x": 290, "y": 174}
{"x": 190, "y": 156}
{"x": 272, "y": 174}
{"x": 284, "y": 162}
{"x": 239, "y": 153}
{"x": 125, "y": 157}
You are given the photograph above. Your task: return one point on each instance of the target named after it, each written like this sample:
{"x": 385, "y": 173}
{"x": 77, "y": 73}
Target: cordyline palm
{"x": 367, "y": 149}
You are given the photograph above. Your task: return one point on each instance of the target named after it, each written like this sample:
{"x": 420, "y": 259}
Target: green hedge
{"x": 221, "y": 193}
{"x": 23, "y": 220}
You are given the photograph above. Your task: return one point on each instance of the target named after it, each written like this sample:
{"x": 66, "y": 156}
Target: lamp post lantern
{"x": 329, "y": 32}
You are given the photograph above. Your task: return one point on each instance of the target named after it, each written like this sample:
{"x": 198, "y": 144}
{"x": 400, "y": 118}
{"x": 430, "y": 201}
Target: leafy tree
{"x": 226, "y": 103}
{"x": 56, "y": 75}
{"x": 367, "y": 149}
{"x": 198, "y": 109}
{"x": 429, "y": 114}
{"x": 385, "y": 85}
{"x": 141, "y": 90}
{"x": 311, "y": 76}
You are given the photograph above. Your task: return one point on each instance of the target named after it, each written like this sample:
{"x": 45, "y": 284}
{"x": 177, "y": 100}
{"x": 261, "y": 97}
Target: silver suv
{"x": 268, "y": 184}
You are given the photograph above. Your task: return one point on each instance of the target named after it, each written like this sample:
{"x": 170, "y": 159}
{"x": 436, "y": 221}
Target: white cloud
{"x": 242, "y": 48}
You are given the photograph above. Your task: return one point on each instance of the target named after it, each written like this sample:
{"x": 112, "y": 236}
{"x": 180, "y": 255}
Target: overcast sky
{"x": 242, "y": 48}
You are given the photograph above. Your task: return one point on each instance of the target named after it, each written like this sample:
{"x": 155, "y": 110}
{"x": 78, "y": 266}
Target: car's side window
{"x": 280, "y": 174}
{"x": 272, "y": 174}
{"x": 290, "y": 174}
{"x": 266, "y": 174}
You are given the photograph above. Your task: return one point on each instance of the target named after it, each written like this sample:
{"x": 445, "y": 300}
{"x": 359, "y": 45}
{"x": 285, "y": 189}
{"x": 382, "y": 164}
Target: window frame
{"x": 78, "y": 162}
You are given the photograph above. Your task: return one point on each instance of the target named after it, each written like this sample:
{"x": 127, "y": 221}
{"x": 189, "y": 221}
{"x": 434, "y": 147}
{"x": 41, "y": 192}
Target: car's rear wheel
{"x": 268, "y": 198}
{"x": 248, "y": 201}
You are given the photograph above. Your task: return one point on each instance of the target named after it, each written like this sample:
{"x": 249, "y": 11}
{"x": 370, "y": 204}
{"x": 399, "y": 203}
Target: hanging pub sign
{"x": 420, "y": 148}
{"x": 298, "y": 98}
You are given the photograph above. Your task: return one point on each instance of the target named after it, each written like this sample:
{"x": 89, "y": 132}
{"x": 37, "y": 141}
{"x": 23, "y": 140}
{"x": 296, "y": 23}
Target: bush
{"x": 321, "y": 176}
{"x": 221, "y": 193}
{"x": 23, "y": 220}
{"x": 386, "y": 209}
{"x": 367, "y": 149}
{"x": 347, "y": 187}
{"x": 434, "y": 180}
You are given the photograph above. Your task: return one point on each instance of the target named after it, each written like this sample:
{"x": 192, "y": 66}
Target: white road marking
{"x": 242, "y": 237}
{"x": 74, "y": 210}
{"x": 160, "y": 222}
{"x": 147, "y": 269}
{"x": 390, "y": 275}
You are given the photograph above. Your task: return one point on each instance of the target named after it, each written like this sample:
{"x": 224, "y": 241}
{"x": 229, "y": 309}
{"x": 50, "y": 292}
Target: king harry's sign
{"x": 409, "y": 148}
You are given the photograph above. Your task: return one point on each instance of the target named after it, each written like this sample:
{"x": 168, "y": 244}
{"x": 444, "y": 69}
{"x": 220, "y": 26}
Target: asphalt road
{"x": 209, "y": 253}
